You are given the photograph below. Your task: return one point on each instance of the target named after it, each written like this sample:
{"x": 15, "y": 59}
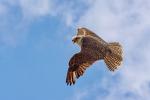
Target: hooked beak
{"x": 74, "y": 39}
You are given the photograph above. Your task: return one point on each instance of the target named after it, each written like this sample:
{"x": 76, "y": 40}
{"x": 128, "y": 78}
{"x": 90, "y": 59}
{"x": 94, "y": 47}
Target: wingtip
{"x": 70, "y": 84}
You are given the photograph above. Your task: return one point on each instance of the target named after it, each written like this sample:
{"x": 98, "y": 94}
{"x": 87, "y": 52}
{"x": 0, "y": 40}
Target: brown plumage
{"x": 93, "y": 48}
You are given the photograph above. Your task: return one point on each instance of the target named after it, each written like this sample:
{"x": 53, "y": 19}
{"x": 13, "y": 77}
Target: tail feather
{"x": 113, "y": 56}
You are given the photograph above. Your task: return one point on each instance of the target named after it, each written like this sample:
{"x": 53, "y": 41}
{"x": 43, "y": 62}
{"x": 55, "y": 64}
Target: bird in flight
{"x": 93, "y": 48}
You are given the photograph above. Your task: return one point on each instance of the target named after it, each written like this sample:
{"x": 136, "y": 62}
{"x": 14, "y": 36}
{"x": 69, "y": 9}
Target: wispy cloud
{"x": 32, "y": 8}
{"x": 126, "y": 21}
{"x": 17, "y": 15}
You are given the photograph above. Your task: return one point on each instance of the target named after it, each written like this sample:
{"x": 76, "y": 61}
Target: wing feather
{"x": 90, "y": 52}
{"x": 77, "y": 66}
{"x": 87, "y": 32}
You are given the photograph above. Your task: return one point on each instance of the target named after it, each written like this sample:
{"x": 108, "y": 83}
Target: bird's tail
{"x": 113, "y": 56}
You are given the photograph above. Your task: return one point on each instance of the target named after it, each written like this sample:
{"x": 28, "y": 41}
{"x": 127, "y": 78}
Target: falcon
{"x": 93, "y": 48}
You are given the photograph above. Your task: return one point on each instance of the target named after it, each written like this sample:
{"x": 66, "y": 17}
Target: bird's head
{"x": 77, "y": 40}
{"x": 81, "y": 31}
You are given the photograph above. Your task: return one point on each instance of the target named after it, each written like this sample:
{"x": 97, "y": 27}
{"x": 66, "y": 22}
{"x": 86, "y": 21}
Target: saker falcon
{"x": 93, "y": 48}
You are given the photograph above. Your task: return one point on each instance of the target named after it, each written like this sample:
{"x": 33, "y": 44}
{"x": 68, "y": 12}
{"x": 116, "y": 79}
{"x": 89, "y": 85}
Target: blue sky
{"x": 35, "y": 47}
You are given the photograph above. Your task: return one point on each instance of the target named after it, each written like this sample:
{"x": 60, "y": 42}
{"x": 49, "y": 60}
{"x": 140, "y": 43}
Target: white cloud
{"x": 19, "y": 14}
{"x": 16, "y": 16}
{"x": 36, "y": 8}
{"x": 30, "y": 8}
{"x": 126, "y": 21}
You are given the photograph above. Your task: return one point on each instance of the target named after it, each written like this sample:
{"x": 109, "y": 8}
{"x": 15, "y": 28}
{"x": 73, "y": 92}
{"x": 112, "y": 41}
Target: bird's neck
{"x": 79, "y": 42}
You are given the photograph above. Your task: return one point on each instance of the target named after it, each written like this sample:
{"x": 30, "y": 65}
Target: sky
{"x": 35, "y": 48}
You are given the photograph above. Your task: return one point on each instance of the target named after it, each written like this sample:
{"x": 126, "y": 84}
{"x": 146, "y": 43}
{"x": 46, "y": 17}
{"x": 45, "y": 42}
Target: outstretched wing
{"x": 77, "y": 66}
{"x": 85, "y": 32}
